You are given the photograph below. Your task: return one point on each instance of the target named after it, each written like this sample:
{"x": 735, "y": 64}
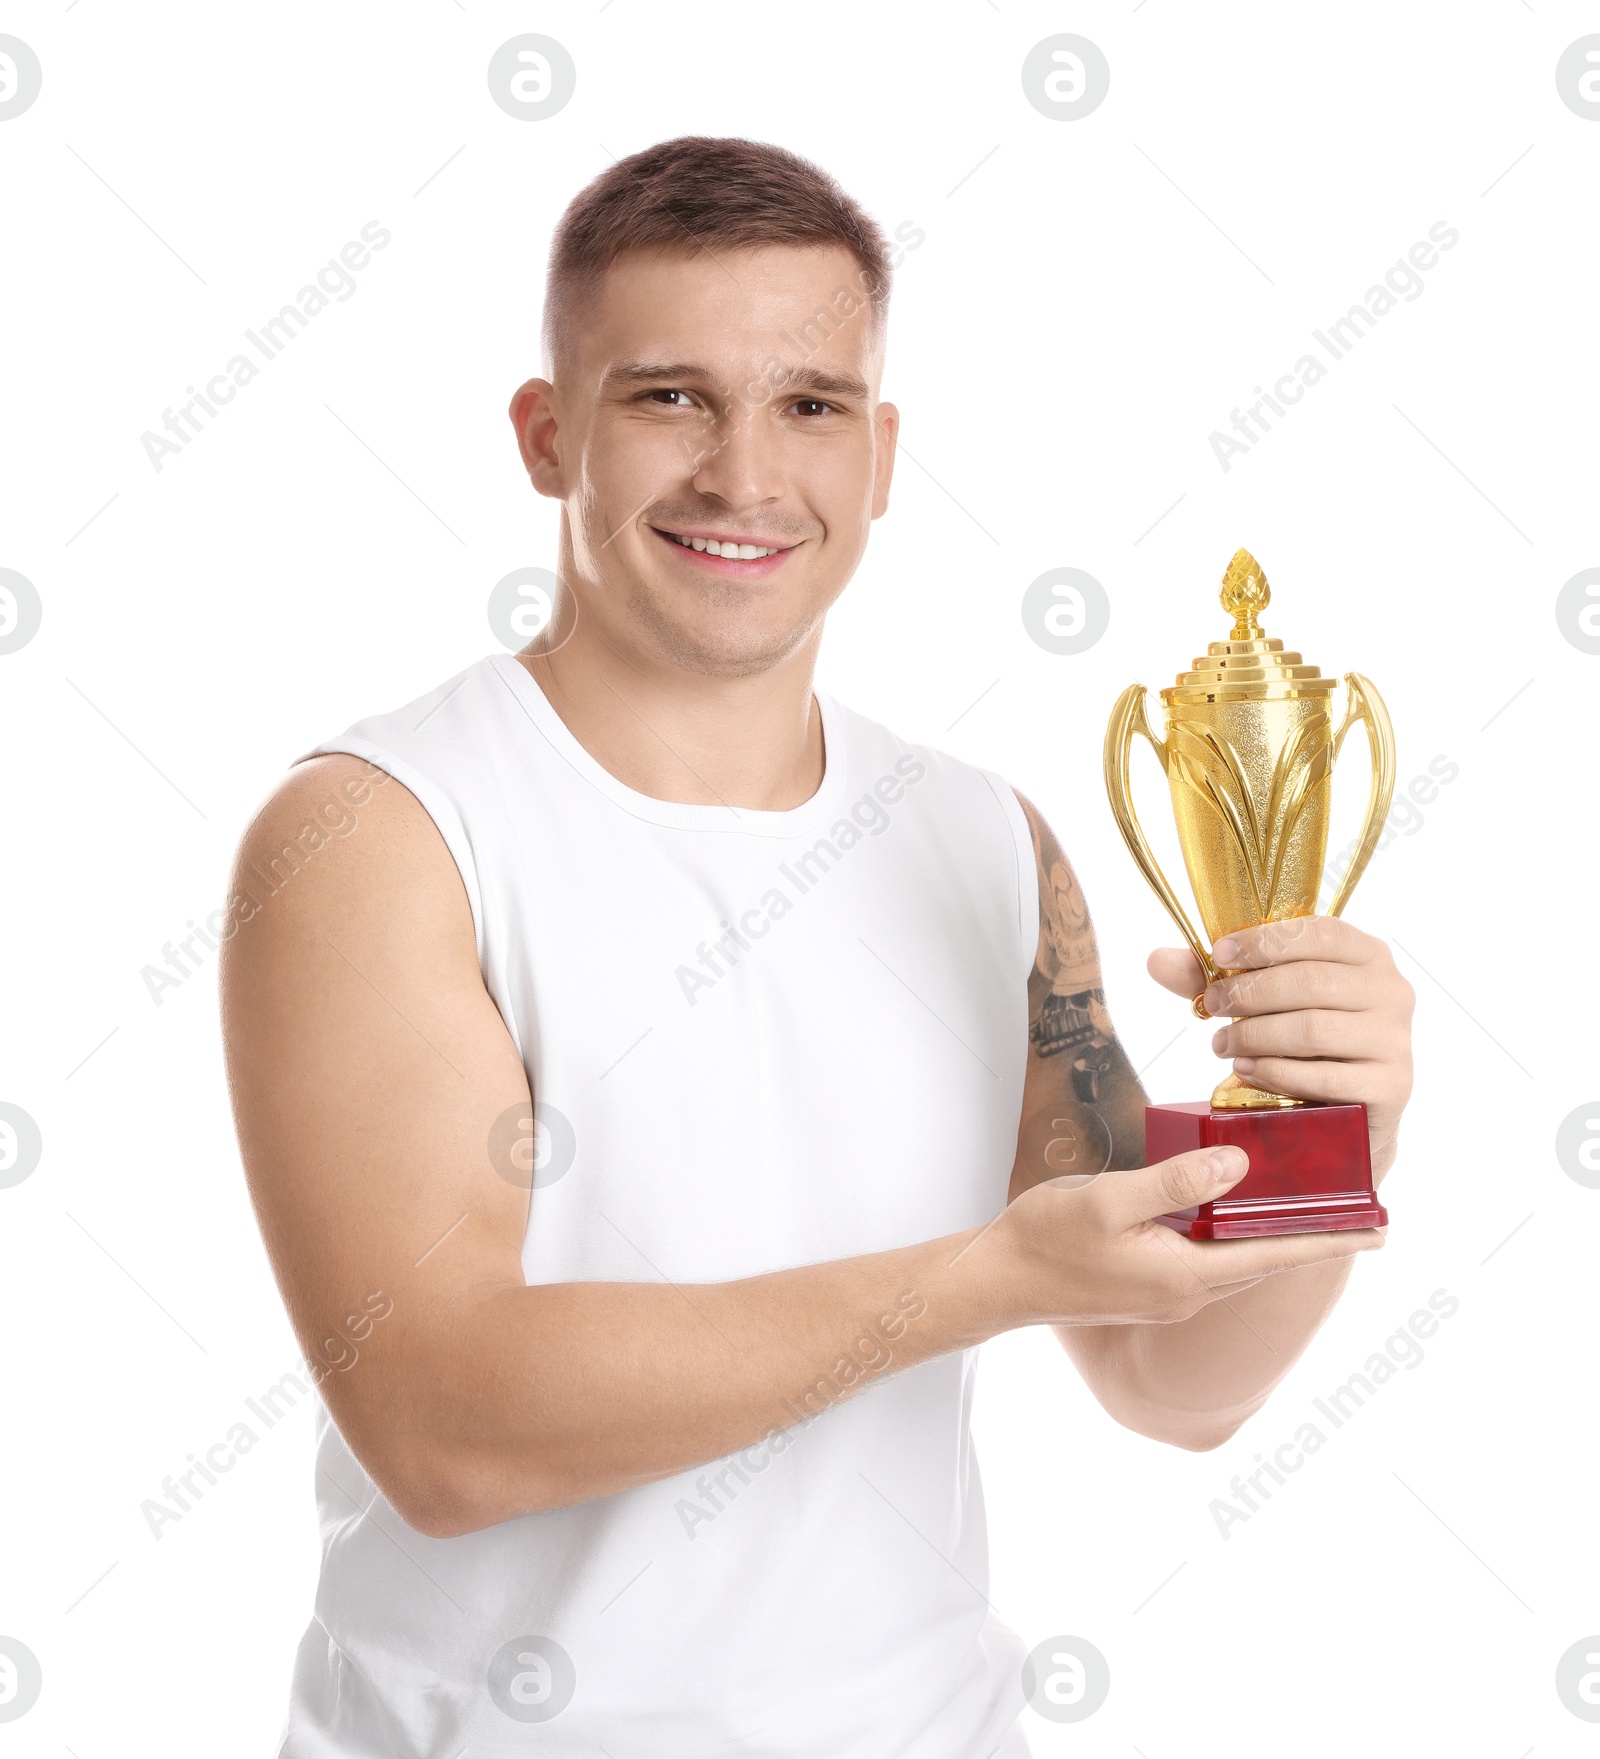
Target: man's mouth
{"x": 729, "y": 553}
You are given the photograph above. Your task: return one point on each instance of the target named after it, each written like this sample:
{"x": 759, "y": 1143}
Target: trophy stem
{"x": 1235, "y": 1094}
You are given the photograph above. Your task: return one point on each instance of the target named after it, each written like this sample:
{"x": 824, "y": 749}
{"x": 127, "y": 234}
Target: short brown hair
{"x": 700, "y": 192}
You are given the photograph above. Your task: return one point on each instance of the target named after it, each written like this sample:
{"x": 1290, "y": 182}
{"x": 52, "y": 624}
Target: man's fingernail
{"x": 1244, "y": 1065}
{"x": 1226, "y": 950}
{"x": 1219, "y": 1039}
{"x": 1215, "y": 1001}
{"x": 1227, "y": 1164}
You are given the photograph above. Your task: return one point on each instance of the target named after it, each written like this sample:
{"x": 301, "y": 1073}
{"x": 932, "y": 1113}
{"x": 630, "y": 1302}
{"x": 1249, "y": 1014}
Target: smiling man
{"x": 687, "y": 1061}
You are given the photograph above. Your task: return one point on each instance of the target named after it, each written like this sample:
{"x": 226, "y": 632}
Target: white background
{"x": 1089, "y": 301}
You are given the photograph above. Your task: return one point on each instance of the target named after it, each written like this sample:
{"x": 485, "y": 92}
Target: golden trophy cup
{"x": 1249, "y": 755}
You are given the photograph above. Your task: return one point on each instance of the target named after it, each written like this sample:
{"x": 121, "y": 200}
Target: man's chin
{"x": 727, "y": 660}
{"x": 733, "y": 646}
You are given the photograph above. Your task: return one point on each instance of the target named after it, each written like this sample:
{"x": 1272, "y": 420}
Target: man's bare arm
{"x": 368, "y": 1066}
{"x": 1194, "y": 1383}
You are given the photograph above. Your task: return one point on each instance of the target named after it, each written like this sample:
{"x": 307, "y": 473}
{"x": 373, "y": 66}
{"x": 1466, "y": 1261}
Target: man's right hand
{"x": 1087, "y": 1250}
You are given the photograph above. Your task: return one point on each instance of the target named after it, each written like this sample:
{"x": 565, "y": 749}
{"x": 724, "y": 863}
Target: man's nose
{"x": 739, "y": 462}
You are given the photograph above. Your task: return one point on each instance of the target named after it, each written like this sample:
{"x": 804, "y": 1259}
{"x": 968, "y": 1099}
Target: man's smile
{"x": 733, "y": 555}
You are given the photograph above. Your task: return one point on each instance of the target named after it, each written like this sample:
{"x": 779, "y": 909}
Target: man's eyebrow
{"x": 808, "y": 378}
{"x": 641, "y": 372}
{"x": 799, "y": 378}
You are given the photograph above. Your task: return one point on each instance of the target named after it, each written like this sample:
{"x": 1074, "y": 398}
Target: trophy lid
{"x": 1249, "y": 666}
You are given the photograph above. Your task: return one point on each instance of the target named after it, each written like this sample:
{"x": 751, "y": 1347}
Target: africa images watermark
{"x": 868, "y": 1357}
{"x": 868, "y": 817}
{"x": 335, "y": 282}
{"x": 181, "y": 1491}
{"x": 1247, "y": 1492}
{"x": 1402, "y": 281}
{"x": 335, "y": 817}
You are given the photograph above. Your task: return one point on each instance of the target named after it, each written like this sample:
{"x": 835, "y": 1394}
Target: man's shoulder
{"x": 377, "y": 775}
{"x": 377, "y": 810}
{"x": 335, "y": 833}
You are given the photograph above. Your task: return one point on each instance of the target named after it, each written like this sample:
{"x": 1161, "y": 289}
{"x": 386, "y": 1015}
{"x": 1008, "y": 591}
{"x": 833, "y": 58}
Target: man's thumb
{"x": 1194, "y": 1177}
{"x": 1177, "y": 969}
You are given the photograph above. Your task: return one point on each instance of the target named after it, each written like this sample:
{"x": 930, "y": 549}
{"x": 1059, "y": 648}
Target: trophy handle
{"x": 1363, "y": 703}
{"x": 1128, "y": 718}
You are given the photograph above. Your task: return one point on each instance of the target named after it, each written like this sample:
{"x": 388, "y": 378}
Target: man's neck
{"x": 754, "y": 742}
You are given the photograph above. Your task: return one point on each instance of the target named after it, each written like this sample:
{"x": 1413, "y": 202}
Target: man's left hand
{"x": 1320, "y": 1012}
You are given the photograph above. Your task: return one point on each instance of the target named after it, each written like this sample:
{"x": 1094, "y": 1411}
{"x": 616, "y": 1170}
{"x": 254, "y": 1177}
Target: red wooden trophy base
{"x": 1310, "y": 1169}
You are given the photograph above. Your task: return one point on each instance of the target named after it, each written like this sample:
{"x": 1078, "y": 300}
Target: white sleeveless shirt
{"x": 755, "y": 1040}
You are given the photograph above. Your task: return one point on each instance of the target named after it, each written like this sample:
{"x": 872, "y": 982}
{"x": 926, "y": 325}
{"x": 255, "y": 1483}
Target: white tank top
{"x": 755, "y": 1040}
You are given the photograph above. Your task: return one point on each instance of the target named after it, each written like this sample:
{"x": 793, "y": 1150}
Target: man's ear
{"x": 886, "y": 419}
{"x": 533, "y": 416}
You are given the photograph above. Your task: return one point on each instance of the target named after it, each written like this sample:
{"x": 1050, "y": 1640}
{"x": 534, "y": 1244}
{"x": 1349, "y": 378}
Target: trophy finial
{"x": 1244, "y": 593}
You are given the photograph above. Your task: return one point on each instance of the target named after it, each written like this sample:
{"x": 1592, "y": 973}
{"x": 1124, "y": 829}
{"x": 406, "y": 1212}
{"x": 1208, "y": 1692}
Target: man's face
{"x": 728, "y": 399}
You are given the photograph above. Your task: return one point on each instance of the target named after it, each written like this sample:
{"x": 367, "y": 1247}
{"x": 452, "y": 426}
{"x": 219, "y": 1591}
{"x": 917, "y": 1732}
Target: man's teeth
{"x": 744, "y": 552}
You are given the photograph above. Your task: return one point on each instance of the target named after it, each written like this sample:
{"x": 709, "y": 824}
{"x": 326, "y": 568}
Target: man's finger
{"x": 1295, "y": 938}
{"x": 1194, "y": 1177}
{"x": 1310, "y": 1032}
{"x": 1334, "y": 1083}
{"x": 1309, "y": 983}
{"x": 1223, "y": 1263}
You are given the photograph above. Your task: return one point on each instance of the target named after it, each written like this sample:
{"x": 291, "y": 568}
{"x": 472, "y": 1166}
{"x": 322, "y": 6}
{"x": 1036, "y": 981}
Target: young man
{"x": 653, "y": 1076}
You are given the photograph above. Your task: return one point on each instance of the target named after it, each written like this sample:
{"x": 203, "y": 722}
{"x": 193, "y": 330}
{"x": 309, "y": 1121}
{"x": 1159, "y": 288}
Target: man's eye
{"x": 668, "y": 392}
{"x": 811, "y": 407}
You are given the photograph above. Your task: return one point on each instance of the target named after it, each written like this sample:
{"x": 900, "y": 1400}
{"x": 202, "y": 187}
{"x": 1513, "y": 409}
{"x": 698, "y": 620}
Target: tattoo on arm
{"x": 1068, "y": 956}
{"x": 1080, "y": 1080}
{"x": 1069, "y": 1018}
{"x": 1078, "y": 1025}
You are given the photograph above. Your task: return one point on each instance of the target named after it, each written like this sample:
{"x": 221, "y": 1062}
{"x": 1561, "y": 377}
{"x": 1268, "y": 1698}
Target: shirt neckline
{"x": 680, "y": 815}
